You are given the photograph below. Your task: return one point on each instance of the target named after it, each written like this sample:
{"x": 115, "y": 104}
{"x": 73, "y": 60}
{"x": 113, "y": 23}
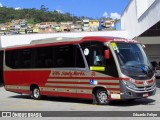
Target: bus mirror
{"x": 106, "y": 54}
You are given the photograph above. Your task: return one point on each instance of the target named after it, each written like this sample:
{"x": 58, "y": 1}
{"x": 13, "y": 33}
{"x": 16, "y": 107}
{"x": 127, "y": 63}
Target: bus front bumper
{"x": 127, "y": 93}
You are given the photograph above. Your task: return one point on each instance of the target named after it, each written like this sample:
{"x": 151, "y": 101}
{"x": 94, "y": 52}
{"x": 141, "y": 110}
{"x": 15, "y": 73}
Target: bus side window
{"x": 94, "y": 54}
{"x": 69, "y": 56}
{"x": 79, "y": 61}
{"x": 25, "y": 58}
{"x": 44, "y": 57}
{"x": 86, "y": 51}
{"x": 64, "y": 56}
{"x": 97, "y": 57}
{"x": 48, "y": 63}
{"x": 18, "y": 59}
{"x": 111, "y": 68}
{"x": 60, "y": 62}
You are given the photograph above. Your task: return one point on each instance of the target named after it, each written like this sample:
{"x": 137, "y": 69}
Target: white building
{"x": 141, "y": 19}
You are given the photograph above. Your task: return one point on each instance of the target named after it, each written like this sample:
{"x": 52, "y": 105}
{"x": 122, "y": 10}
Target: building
{"x": 141, "y": 19}
{"x": 109, "y": 24}
{"x": 3, "y": 29}
{"x": 117, "y": 25}
{"x": 66, "y": 26}
{"x": 45, "y": 27}
{"x": 94, "y": 24}
{"x": 85, "y": 25}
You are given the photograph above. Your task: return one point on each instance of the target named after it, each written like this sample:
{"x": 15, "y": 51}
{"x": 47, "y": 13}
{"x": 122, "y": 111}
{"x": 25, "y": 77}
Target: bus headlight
{"x": 129, "y": 85}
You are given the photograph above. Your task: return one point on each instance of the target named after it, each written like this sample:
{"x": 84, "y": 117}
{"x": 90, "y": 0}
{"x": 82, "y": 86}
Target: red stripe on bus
{"x": 138, "y": 82}
{"x": 62, "y": 94}
{"x": 67, "y": 94}
{"x": 18, "y": 90}
{"x": 26, "y": 78}
{"x": 150, "y": 81}
{"x": 76, "y": 87}
{"x": 76, "y": 95}
{"x": 86, "y": 83}
{"x": 94, "y": 78}
{"x": 87, "y": 96}
{"x": 71, "y": 87}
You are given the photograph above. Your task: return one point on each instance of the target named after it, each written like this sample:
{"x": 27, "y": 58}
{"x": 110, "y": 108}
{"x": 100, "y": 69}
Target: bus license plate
{"x": 145, "y": 95}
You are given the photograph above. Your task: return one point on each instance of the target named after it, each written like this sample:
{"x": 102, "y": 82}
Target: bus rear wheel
{"x": 101, "y": 97}
{"x": 36, "y": 93}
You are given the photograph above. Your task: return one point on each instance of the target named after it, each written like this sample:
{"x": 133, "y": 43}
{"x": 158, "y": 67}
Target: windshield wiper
{"x": 143, "y": 67}
{"x": 146, "y": 69}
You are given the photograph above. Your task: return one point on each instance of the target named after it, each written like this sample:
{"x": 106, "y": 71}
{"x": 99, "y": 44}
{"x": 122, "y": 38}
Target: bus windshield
{"x": 133, "y": 60}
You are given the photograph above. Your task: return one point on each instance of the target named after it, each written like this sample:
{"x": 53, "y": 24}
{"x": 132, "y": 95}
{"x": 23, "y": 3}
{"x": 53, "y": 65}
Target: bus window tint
{"x": 97, "y": 56}
{"x": 67, "y": 56}
{"x": 25, "y": 58}
{"x": 19, "y": 58}
{"x": 44, "y": 57}
{"x": 94, "y": 53}
{"x": 79, "y": 59}
{"x": 12, "y": 59}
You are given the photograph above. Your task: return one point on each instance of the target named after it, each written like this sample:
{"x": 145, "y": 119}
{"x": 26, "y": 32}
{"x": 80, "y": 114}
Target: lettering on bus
{"x": 67, "y": 73}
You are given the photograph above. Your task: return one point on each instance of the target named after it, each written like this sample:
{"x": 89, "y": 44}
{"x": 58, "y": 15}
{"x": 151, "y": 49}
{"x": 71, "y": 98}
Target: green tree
{"x": 35, "y": 15}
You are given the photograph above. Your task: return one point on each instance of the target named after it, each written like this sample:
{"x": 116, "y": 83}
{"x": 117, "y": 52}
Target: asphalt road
{"x": 15, "y": 102}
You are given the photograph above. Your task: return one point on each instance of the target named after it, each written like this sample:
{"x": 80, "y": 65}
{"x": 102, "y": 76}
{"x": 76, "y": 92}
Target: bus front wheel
{"x": 36, "y": 93}
{"x": 101, "y": 97}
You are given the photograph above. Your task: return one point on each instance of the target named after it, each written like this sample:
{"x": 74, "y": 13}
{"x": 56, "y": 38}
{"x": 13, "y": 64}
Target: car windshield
{"x": 133, "y": 60}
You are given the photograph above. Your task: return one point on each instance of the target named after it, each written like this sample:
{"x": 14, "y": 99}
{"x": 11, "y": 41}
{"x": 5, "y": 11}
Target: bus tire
{"x": 100, "y": 97}
{"x": 36, "y": 93}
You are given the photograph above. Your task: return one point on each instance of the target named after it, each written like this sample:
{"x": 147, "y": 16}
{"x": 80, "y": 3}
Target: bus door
{"x": 100, "y": 69}
{"x": 69, "y": 65}
{"x": 80, "y": 71}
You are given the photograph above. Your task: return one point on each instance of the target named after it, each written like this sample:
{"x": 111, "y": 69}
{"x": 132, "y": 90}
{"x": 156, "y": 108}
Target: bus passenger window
{"x": 25, "y": 59}
{"x": 60, "y": 62}
{"x": 97, "y": 58}
{"x": 69, "y": 56}
{"x": 44, "y": 57}
{"x": 79, "y": 59}
{"x": 64, "y": 56}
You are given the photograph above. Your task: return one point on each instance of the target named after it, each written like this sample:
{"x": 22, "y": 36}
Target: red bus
{"x": 98, "y": 68}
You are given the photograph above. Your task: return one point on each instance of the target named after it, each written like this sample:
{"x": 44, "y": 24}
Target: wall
{"x": 135, "y": 21}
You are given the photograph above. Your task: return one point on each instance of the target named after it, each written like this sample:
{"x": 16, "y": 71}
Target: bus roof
{"x": 69, "y": 40}
{"x": 55, "y": 40}
{"x": 80, "y": 39}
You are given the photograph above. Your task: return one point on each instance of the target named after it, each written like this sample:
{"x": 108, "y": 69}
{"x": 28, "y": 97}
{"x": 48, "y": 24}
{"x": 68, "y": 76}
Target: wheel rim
{"x": 36, "y": 93}
{"x": 102, "y": 96}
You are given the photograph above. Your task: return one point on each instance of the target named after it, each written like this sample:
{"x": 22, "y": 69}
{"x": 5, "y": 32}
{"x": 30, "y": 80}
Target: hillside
{"x": 35, "y": 15}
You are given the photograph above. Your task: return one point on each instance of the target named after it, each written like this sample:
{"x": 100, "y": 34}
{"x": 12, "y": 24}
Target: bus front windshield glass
{"x": 133, "y": 60}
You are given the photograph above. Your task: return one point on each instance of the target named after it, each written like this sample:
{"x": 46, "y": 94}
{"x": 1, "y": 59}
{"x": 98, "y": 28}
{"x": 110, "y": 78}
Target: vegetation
{"x": 35, "y": 15}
